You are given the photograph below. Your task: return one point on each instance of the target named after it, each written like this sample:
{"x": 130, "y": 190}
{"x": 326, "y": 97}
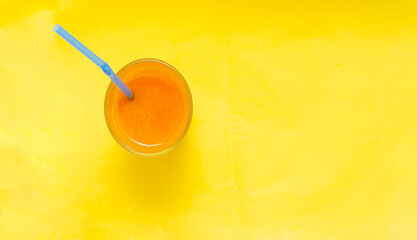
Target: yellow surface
{"x": 305, "y": 121}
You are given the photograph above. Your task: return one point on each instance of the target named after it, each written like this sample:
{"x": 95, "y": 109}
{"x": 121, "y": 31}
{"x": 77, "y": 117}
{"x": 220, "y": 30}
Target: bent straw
{"x": 98, "y": 61}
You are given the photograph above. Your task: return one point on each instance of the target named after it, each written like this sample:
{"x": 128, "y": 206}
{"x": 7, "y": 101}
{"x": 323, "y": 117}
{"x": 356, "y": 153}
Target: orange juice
{"x": 158, "y": 116}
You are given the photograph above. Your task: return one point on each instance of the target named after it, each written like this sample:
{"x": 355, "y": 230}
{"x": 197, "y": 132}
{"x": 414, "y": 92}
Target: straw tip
{"x": 56, "y": 27}
{"x": 131, "y": 97}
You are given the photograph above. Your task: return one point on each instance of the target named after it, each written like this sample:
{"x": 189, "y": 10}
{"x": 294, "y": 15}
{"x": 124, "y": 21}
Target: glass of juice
{"x": 158, "y": 116}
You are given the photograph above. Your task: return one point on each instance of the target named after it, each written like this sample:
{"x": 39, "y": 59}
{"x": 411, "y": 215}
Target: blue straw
{"x": 98, "y": 61}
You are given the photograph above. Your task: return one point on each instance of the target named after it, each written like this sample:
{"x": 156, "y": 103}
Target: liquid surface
{"x": 155, "y": 114}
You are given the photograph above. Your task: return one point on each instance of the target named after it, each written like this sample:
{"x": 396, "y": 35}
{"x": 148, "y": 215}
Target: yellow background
{"x": 304, "y": 126}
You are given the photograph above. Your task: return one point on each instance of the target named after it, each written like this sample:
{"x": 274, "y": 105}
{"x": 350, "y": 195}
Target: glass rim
{"x": 106, "y": 114}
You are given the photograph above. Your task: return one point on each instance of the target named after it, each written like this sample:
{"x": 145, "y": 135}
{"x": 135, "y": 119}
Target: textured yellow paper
{"x": 304, "y": 126}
